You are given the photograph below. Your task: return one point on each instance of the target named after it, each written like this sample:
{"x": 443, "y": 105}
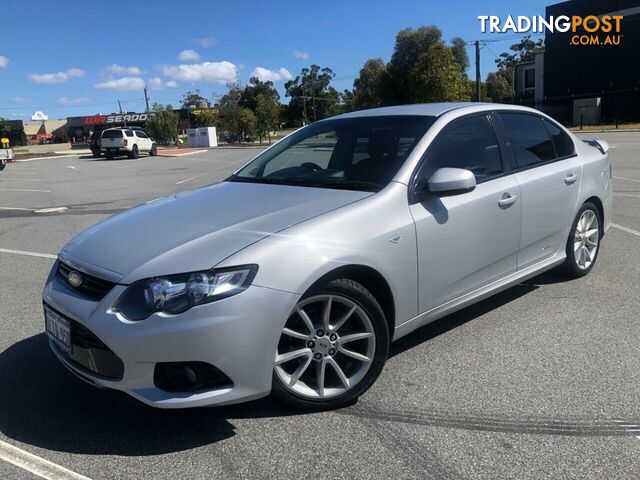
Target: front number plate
{"x": 59, "y": 329}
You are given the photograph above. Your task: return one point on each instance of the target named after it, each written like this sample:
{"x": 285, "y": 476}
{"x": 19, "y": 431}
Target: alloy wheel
{"x": 326, "y": 347}
{"x": 585, "y": 241}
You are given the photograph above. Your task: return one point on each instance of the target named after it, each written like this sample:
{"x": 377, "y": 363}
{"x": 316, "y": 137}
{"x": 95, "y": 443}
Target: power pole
{"x": 123, "y": 119}
{"x": 304, "y": 104}
{"x": 146, "y": 99}
{"x": 477, "y": 43}
{"x": 313, "y": 99}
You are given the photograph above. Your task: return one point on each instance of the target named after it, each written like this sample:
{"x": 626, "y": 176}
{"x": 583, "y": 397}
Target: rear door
{"x": 466, "y": 241}
{"x": 549, "y": 173}
{"x": 144, "y": 143}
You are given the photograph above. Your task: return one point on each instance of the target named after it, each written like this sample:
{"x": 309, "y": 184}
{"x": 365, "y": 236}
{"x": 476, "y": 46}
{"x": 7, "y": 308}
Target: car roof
{"x": 432, "y": 109}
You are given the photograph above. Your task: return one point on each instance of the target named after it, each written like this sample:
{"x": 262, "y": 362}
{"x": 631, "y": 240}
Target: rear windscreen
{"x": 112, "y": 134}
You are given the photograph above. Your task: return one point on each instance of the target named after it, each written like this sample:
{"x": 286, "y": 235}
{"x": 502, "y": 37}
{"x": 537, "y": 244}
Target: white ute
{"x": 126, "y": 141}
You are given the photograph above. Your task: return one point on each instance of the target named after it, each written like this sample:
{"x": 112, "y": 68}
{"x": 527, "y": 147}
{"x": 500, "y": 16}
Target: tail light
{"x": 124, "y": 142}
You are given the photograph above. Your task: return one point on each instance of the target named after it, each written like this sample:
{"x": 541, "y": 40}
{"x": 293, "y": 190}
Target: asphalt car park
{"x": 540, "y": 381}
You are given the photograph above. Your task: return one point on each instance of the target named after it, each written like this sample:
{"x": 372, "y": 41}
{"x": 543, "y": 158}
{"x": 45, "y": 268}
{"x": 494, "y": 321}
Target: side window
{"x": 468, "y": 143}
{"x": 129, "y": 133}
{"x": 141, "y": 134}
{"x": 529, "y": 139}
{"x": 561, "y": 141}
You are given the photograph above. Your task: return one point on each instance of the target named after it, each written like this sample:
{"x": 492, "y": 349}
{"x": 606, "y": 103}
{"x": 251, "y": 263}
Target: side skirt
{"x": 477, "y": 295}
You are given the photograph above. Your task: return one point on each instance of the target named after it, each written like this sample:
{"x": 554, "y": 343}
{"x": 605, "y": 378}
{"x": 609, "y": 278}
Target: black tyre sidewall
{"x": 134, "y": 152}
{"x": 358, "y": 294}
{"x": 570, "y": 265}
{"x": 153, "y": 152}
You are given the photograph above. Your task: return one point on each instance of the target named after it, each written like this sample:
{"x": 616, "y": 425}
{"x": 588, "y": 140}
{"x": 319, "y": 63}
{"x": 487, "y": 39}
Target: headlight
{"x": 177, "y": 293}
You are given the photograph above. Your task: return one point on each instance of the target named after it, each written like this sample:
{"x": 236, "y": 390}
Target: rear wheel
{"x": 135, "y": 153}
{"x": 154, "y": 150}
{"x": 332, "y": 348}
{"x": 583, "y": 243}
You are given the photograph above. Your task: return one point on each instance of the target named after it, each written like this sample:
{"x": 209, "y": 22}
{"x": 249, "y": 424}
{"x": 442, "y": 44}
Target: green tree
{"x": 206, "y": 118}
{"x": 369, "y": 89}
{"x": 312, "y": 95}
{"x": 498, "y": 88}
{"x": 231, "y": 111}
{"x": 247, "y": 123}
{"x": 255, "y": 88}
{"x": 163, "y": 126}
{"x": 459, "y": 50}
{"x": 5, "y": 128}
{"x": 423, "y": 69}
{"x": 266, "y": 114}
{"x": 523, "y": 51}
{"x": 194, "y": 100}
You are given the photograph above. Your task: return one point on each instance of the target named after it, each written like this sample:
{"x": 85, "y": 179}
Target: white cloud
{"x": 4, "y": 61}
{"x": 57, "y": 77}
{"x": 265, "y": 74}
{"x": 212, "y": 72}
{"x": 123, "y": 84}
{"x": 301, "y": 54}
{"x": 115, "y": 69}
{"x": 205, "y": 42}
{"x": 20, "y": 100}
{"x": 73, "y": 100}
{"x": 188, "y": 56}
{"x": 156, "y": 83}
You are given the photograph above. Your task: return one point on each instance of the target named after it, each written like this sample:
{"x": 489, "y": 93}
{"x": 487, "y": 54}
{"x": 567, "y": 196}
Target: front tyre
{"x": 583, "y": 243}
{"x": 332, "y": 348}
{"x": 154, "y": 150}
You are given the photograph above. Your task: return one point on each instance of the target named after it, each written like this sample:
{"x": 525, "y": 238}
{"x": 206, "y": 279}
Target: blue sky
{"x": 77, "y": 58}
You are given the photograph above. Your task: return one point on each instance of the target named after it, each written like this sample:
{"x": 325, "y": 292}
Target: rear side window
{"x": 468, "y": 143}
{"x": 141, "y": 134}
{"x": 530, "y": 140}
{"x": 112, "y": 134}
{"x": 561, "y": 141}
{"x": 129, "y": 133}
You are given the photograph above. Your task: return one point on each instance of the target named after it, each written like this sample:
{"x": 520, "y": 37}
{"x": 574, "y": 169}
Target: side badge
{"x": 395, "y": 240}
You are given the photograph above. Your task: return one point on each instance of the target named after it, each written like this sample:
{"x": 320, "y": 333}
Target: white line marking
{"x": 626, "y": 229}
{"x": 29, "y": 254}
{"x": 45, "y": 158}
{"x": 36, "y": 465}
{"x": 15, "y": 208}
{"x": 71, "y": 166}
{"x": 21, "y": 179}
{"x": 23, "y": 190}
{"x": 51, "y": 210}
{"x": 627, "y": 195}
{"x": 178, "y": 154}
{"x": 626, "y": 179}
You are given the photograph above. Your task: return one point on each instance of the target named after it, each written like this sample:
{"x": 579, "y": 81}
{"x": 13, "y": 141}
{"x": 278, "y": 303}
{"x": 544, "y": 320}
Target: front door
{"x": 469, "y": 240}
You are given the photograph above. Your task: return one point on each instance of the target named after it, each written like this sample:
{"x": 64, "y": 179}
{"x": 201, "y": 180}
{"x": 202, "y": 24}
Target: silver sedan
{"x": 293, "y": 275}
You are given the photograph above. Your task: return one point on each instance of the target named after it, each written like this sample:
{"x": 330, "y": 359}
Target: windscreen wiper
{"x": 352, "y": 184}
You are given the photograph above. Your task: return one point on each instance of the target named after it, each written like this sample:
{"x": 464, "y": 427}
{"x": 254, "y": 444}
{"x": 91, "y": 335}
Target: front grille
{"x": 90, "y": 353}
{"x": 92, "y": 287}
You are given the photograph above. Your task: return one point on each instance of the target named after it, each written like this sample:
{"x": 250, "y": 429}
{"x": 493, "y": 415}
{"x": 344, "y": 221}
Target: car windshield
{"x": 362, "y": 153}
{"x": 112, "y": 134}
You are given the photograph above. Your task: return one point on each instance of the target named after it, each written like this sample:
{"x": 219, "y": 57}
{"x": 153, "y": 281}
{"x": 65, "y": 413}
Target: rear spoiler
{"x": 601, "y": 145}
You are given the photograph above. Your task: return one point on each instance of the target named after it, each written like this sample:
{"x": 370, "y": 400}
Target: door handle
{"x": 570, "y": 178}
{"x": 507, "y": 200}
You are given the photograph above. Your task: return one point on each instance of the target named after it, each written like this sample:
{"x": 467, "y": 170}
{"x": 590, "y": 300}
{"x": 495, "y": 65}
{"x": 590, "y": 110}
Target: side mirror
{"x": 446, "y": 182}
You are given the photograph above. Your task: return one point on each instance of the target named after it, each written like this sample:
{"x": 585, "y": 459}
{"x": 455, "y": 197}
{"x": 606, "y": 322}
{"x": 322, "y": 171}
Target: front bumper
{"x": 237, "y": 335}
